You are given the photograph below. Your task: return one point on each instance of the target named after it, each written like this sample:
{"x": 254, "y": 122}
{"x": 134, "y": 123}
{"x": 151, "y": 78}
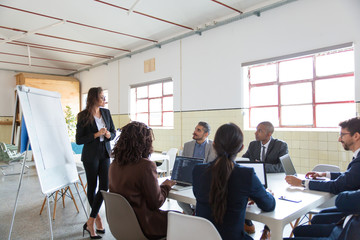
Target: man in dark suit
{"x": 267, "y": 149}
{"x": 339, "y": 182}
{"x": 348, "y": 228}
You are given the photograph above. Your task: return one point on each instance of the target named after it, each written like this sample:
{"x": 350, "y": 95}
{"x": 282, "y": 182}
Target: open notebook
{"x": 182, "y": 171}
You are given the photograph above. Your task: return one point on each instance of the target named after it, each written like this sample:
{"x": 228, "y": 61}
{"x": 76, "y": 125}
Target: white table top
{"x": 285, "y": 211}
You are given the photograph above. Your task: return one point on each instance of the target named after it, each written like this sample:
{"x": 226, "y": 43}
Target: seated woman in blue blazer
{"x": 222, "y": 188}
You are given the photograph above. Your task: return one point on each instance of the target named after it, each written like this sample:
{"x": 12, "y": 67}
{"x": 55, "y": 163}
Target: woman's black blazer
{"x": 85, "y": 135}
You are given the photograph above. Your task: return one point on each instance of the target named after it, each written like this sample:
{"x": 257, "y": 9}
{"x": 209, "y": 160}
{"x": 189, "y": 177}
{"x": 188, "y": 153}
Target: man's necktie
{"x": 263, "y": 154}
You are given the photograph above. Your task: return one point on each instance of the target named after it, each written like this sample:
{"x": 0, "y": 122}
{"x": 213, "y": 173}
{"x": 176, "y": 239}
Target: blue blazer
{"x": 85, "y": 135}
{"x": 243, "y": 183}
{"x": 349, "y": 202}
{"x": 276, "y": 149}
{"x": 346, "y": 181}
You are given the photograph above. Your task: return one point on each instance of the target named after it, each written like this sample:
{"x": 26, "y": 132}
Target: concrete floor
{"x": 68, "y": 223}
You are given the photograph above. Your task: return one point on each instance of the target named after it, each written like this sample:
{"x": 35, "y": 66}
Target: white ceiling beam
{"x": 22, "y": 35}
{"x": 132, "y": 7}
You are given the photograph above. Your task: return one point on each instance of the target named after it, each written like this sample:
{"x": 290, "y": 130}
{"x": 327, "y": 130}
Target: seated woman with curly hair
{"x": 134, "y": 176}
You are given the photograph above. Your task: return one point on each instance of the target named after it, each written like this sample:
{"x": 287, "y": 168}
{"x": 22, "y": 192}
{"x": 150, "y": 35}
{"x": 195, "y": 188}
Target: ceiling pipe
{"x": 66, "y": 39}
{"x": 77, "y": 23}
{"x": 27, "y": 33}
{"x": 146, "y": 15}
{"x": 24, "y": 64}
{"x": 46, "y": 59}
{"x": 56, "y": 49}
{"x": 185, "y": 35}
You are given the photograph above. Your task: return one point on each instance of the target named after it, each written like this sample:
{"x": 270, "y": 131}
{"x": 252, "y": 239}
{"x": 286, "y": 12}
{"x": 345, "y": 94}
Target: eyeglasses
{"x": 103, "y": 98}
{"x": 343, "y": 134}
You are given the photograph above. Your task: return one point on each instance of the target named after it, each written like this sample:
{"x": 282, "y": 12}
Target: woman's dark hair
{"x": 228, "y": 142}
{"x": 135, "y": 142}
{"x": 86, "y": 116}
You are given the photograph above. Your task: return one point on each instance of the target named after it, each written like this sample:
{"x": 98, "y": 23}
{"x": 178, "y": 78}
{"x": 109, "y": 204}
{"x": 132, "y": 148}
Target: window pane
{"x": 330, "y": 115}
{"x": 297, "y": 69}
{"x": 155, "y": 119}
{"x": 168, "y": 88}
{"x": 296, "y": 93}
{"x": 155, "y": 90}
{"x": 258, "y": 115}
{"x": 335, "y": 63}
{"x": 168, "y": 104}
{"x": 142, "y": 105}
{"x": 263, "y": 74}
{"x": 336, "y": 89}
{"x": 168, "y": 119}
{"x": 297, "y": 115}
{"x": 263, "y": 96}
{"x": 142, "y": 92}
{"x": 155, "y": 105}
{"x": 143, "y": 117}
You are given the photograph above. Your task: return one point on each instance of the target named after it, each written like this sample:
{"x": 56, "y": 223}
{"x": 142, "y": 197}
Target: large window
{"x": 315, "y": 91}
{"x": 152, "y": 104}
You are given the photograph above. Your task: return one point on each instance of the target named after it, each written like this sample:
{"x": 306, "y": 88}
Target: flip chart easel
{"x": 50, "y": 143}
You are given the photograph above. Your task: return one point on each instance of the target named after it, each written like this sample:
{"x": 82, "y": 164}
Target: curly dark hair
{"x": 135, "y": 142}
{"x": 85, "y": 117}
{"x": 228, "y": 142}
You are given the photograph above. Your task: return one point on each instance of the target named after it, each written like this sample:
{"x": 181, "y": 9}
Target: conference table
{"x": 285, "y": 211}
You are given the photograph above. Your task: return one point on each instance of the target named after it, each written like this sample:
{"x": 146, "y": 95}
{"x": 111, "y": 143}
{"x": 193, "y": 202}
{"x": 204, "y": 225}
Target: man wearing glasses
{"x": 339, "y": 182}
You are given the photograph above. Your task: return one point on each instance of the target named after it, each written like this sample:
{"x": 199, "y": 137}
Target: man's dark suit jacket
{"x": 346, "y": 181}
{"x": 348, "y": 202}
{"x": 85, "y": 135}
{"x": 276, "y": 149}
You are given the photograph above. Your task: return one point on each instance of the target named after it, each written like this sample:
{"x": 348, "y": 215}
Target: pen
{"x": 284, "y": 198}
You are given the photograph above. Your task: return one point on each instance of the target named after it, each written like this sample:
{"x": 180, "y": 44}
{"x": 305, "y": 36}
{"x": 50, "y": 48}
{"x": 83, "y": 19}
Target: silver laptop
{"x": 288, "y": 165}
{"x": 259, "y": 168}
{"x": 182, "y": 172}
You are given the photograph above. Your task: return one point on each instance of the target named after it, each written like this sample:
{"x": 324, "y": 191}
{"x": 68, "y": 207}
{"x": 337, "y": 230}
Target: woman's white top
{"x": 100, "y": 124}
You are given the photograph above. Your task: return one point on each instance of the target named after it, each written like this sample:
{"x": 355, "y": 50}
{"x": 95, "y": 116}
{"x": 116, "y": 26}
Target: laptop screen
{"x": 288, "y": 165}
{"x": 259, "y": 169}
{"x": 183, "y": 167}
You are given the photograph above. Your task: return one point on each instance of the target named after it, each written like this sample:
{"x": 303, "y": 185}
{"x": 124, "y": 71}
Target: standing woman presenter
{"x": 95, "y": 129}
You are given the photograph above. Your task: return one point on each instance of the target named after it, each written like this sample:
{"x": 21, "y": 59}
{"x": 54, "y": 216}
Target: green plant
{"x": 70, "y": 119}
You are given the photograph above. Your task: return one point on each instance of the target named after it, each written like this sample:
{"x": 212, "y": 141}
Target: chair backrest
{"x": 121, "y": 217}
{"x": 326, "y": 168}
{"x": 181, "y": 226}
{"x": 172, "y": 155}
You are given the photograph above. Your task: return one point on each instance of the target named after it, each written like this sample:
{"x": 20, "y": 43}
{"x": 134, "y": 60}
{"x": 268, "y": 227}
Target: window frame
{"x": 163, "y": 95}
{"x": 311, "y": 80}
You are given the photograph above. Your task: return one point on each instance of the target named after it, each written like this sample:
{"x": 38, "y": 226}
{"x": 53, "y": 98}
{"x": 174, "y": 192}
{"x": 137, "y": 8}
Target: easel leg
{"x": 77, "y": 190}
{"x": 17, "y": 194}
{"x": 49, "y": 214}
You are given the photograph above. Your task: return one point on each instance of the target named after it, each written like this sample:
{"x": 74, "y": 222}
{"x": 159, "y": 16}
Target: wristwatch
{"x": 303, "y": 183}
